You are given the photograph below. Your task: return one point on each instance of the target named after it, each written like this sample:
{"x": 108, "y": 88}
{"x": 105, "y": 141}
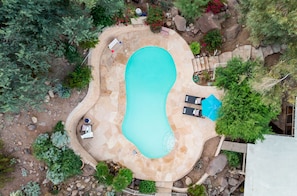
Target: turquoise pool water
{"x": 150, "y": 74}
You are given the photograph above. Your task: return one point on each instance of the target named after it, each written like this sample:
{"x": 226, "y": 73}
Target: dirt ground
{"x": 18, "y": 138}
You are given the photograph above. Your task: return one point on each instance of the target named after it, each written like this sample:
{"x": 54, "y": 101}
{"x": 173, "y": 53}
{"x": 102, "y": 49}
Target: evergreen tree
{"x": 31, "y": 33}
{"x": 270, "y": 21}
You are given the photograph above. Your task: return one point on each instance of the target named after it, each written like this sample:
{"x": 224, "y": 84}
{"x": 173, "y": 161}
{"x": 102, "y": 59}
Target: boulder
{"x": 217, "y": 165}
{"x": 223, "y": 182}
{"x": 174, "y": 11}
{"x": 180, "y": 23}
{"x": 51, "y": 93}
{"x": 32, "y": 127}
{"x": 232, "y": 32}
{"x": 207, "y": 22}
{"x": 188, "y": 181}
{"x": 34, "y": 119}
{"x": 232, "y": 181}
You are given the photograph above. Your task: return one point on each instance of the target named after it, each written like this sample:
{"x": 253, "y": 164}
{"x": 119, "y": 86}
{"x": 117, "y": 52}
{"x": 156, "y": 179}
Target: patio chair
{"x": 192, "y": 112}
{"x": 86, "y": 132}
{"x": 193, "y": 99}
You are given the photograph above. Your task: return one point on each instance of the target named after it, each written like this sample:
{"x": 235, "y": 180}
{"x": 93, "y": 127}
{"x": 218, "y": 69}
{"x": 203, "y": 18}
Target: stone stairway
{"x": 245, "y": 52}
{"x": 164, "y": 188}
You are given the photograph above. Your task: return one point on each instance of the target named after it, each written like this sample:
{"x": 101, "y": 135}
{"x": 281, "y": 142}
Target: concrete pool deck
{"x": 105, "y": 105}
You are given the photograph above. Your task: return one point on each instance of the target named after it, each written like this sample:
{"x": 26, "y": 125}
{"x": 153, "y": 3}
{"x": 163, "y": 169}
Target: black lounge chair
{"x": 192, "y": 112}
{"x": 194, "y": 100}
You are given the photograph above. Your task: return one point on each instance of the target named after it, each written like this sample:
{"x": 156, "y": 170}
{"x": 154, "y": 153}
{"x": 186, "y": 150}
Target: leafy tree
{"x": 147, "y": 186}
{"x": 112, "y": 7}
{"x": 78, "y": 30}
{"x": 197, "y": 190}
{"x": 243, "y": 114}
{"x": 193, "y": 9}
{"x": 99, "y": 16}
{"x": 270, "y": 21}
{"x": 31, "y": 34}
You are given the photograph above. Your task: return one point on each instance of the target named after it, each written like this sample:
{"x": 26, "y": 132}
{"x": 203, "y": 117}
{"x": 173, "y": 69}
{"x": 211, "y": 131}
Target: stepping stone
{"x": 195, "y": 67}
{"x": 202, "y": 63}
{"x": 267, "y": 51}
{"x": 243, "y": 52}
{"x": 213, "y": 61}
{"x": 225, "y": 57}
{"x": 206, "y": 62}
{"x": 198, "y": 64}
{"x": 217, "y": 165}
{"x": 257, "y": 54}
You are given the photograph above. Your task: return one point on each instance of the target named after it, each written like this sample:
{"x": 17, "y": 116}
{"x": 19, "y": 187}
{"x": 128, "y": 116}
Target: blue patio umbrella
{"x": 210, "y": 107}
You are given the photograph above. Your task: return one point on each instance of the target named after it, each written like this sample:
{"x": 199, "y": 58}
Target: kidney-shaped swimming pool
{"x": 150, "y": 74}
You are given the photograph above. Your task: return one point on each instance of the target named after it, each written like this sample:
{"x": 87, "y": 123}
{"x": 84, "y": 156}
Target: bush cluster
{"x": 233, "y": 158}
{"x": 80, "y": 77}
{"x": 53, "y": 150}
{"x": 118, "y": 182}
{"x": 195, "y": 48}
{"x": 147, "y": 187}
{"x": 197, "y": 190}
{"x": 155, "y": 18}
{"x": 213, "y": 40}
{"x": 215, "y": 6}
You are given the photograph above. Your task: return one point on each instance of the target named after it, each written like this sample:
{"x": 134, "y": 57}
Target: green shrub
{"x": 31, "y": 189}
{"x": 103, "y": 174}
{"x": 127, "y": 173}
{"x": 61, "y": 161}
{"x": 55, "y": 175}
{"x": 191, "y": 9}
{"x": 89, "y": 43}
{"x": 102, "y": 169}
{"x": 147, "y": 187}
{"x": 233, "y": 158}
{"x": 197, "y": 190}
{"x": 70, "y": 163}
{"x": 100, "y": 17}
{"x": 213, "y": 40}
{"x": 80, "y": 77}
{"x": 119, "y": 183}
{"x": 17, "y": 193}
{"x": 60, "y": 139}
{"x": 72, "y": 55}
{"x": 59, "y": 127}
{"x": 62, "y": 91}
{"x": 195, "y": 47}
{"x": 155, "y": 19}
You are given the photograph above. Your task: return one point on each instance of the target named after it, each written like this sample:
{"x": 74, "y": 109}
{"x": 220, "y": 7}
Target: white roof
{"x": 271, "y": 167}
